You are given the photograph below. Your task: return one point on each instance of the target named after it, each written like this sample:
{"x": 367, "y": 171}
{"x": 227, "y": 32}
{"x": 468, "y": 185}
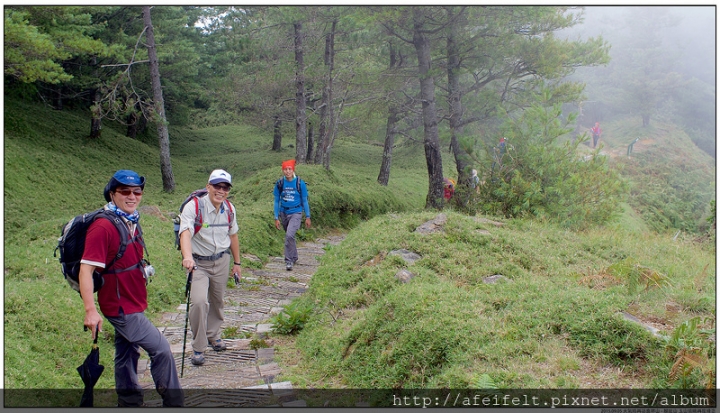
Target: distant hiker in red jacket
{"x": 449, "y": 188}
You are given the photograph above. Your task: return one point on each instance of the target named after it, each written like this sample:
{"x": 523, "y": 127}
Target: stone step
{"x": 241, "y": 376}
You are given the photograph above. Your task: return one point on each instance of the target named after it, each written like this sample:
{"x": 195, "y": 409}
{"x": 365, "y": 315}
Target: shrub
{"x": 538, "y": 177}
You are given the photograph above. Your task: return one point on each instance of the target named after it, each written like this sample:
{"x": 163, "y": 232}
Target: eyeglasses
{"x": 127, "y": 191}
{"x": 217, "y": 187}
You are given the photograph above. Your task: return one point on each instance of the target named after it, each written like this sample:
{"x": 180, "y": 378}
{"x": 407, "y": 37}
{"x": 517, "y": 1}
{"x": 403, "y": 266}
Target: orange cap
{"x": 289, "y": 164}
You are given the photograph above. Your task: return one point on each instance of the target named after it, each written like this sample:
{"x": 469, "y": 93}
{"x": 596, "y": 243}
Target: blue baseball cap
{"x": 123, "y": 177}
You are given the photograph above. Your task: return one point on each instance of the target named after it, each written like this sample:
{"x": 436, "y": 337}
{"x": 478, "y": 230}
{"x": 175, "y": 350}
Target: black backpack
{"x": 194, "y": 195}
{"x": 71, "y": 245}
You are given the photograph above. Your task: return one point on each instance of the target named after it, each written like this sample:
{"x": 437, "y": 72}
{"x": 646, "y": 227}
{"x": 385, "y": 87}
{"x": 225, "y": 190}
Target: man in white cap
{"x": 208, "y": 235}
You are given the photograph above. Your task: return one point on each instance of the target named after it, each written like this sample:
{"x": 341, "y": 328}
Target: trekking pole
{"x": 187, "y": 315}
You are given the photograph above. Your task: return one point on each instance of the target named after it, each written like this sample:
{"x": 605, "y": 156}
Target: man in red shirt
{"x": 123, "y": 296}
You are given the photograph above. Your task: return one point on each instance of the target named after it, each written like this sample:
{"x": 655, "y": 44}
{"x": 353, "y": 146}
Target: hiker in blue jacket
{"x": 288, "y": 208}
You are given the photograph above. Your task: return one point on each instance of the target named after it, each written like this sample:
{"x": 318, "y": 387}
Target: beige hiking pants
{"x": 207, "y": 289}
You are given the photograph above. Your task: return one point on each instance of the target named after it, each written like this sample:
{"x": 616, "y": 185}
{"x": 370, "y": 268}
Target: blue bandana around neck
{"x": 134, "y": 217}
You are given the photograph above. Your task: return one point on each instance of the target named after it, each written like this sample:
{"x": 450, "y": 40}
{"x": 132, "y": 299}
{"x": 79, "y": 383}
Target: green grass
{"x": 555, "y": 324}
{"x": 446, "y": 327}
{"x": 672, "y": 182}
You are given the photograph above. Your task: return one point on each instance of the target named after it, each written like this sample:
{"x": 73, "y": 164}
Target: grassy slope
{"x": 555, "y": 323}
{"x": 51, "y": 177}
{"x": 672, "y": 181}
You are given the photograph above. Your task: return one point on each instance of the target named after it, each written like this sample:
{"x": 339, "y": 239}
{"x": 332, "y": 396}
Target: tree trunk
{"x": 96, "y": 119}
{"x": 326, "y": 107}
{"x": 58, "y": 97}
{"x": 311, "y": 142}
{"x": 132, "y": 125}
{"x": 159, "y": 105}
{"x": 136, "y": 122}
{"x": 300, "y": 104}
{"x": 390, "y": 133}
{"x": 277, "y": 134}
{"x": 390, "y": 129}
{"x": 456, "y": 110}
{"x": 326, "y": 158}
{"x": 431, "y": 139}
{"x": 141, "y": 123}
{"x": 95, "y": 109}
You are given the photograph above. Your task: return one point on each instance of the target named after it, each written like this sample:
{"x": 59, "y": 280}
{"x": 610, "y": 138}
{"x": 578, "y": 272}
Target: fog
{"x": 688, "y": 30}
{"x": 663, "y": 63}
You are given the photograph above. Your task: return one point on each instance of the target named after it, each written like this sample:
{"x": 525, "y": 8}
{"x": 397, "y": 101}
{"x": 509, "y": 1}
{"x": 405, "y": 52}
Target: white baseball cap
{"x": 220, "y": 175}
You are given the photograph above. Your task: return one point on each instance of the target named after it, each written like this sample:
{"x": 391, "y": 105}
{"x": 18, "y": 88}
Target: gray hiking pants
{"x": 290, "y": 223}
{"x": 132, "y": 332}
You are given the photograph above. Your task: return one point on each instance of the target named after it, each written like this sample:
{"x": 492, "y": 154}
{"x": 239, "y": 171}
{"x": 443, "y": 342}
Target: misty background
{"x": 662, "y": 67}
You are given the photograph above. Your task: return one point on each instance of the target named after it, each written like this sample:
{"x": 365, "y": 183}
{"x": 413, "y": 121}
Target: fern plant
{"x": 292, "y": 319}
{"x": 485, "y": 386}
{"x": 485, "y": 382}
{"x": 690, "y": 349}
{"x": 638, "y": 275}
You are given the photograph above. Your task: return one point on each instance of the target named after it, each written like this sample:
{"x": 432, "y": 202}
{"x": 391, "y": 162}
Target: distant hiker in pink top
{"x": 596, "y": 132}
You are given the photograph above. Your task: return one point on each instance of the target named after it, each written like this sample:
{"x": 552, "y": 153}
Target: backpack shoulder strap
{"x": 280, "y": 184}
{"x": 139, "y": 238}
{"x": 124, "y": 242}
{"x": 299, "y": 186}
{"x": 122, "y": 231}
{"x": 198, "y": 215}
{"x": 230, "y": 214}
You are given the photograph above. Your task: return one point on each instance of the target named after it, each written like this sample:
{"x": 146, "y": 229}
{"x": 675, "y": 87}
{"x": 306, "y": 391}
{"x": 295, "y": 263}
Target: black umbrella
{"x": 90, "y": 371}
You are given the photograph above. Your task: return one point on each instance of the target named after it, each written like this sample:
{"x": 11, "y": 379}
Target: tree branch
{"x": 392, "y": 32}
{"x": 126, "y": 64}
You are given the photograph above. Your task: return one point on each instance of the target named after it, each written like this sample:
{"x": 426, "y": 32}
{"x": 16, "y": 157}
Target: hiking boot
{"x": 197, "y": 358}
{"x": 218, "y": 345}
{"x": 288, "y": 266}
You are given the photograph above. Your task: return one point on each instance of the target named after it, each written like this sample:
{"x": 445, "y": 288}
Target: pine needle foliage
{"x": 537, "y": 176}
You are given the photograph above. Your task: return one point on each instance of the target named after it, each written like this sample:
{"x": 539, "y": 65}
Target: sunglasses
{"x": 127, "y": 191}
{"x": 217, "y": 187}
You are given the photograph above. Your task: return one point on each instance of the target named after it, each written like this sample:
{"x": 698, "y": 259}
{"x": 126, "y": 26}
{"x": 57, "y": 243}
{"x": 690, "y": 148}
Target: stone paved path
{"x": 241, "y": 376}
